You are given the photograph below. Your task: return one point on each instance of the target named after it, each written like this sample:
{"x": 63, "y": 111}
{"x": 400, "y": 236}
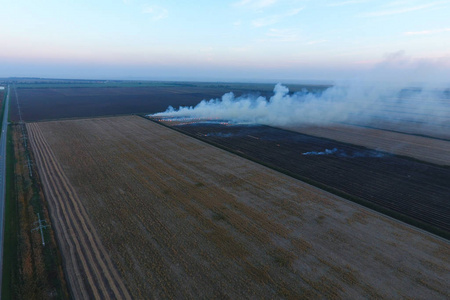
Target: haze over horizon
{"x": 248, "y": 40}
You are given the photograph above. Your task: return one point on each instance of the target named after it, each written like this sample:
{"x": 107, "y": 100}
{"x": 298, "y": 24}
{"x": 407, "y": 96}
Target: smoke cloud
{"x": 325, "y": 152}
{"x": 342, "y": 153}
{"x": 219, "y": 134}
{"x": 344, "y": 102}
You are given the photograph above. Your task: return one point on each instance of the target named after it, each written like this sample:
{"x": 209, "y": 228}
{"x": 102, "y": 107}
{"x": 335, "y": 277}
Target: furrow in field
{"x": 100, "y": 257}
{"x": 95, "y": 262}
{"x": 74, "y": 221}
{"x": 85, "y": 232}
{"x": 72, "y": 263}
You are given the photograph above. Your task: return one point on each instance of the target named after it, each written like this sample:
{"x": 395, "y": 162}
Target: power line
{"x": 40, "y": 227}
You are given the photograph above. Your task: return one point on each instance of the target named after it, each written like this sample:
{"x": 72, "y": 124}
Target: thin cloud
{"x": 157, "y": 12}
{"x": 347, "y": 3}
{"x": 294, "y": 11}
{"x": 237, "y": 23}
{"x": 281, "y": 35}
{"x": 207, "y": 49}
{"x": 316, "y": 42}
{"x": 265, "y": 21}
{"x": 256, "y": 3}
{"x": 242, "y": 49}
{"x": 426, "y": 32}
{"x": 402, "y": 10}
{"x": 400, "y": 3}
{"x": 261, "y": 22}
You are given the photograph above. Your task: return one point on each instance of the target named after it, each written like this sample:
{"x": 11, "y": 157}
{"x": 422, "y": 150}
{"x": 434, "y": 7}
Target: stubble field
{"x": 431, "y": 149}
{"x": 407, "y": 189}
{"x": 175, "y": 217}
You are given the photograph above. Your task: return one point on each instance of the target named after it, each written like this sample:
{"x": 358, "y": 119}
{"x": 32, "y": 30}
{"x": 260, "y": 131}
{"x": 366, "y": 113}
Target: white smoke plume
{"x": 325, "y": 152}
{"x": 342, "y": 153}
{"x": 347, "y": 102}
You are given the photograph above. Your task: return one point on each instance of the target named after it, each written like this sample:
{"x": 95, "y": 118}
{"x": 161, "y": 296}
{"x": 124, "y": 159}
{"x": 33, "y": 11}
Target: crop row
{"x": 90, "y": 272}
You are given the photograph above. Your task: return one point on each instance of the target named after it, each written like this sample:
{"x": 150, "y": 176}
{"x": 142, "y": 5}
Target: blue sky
{"x": 257, "y": 40}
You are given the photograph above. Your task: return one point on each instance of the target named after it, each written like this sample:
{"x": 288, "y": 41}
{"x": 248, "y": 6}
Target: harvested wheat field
{"x": 429, "y": 149}
{"x": 168, "y": 216}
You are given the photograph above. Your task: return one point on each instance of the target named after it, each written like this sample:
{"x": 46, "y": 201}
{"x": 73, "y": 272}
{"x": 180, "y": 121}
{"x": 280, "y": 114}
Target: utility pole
{"x": 40, "y": 228}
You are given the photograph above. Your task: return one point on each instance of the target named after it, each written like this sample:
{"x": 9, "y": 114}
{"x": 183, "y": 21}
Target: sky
{"x": 237, "y": 40}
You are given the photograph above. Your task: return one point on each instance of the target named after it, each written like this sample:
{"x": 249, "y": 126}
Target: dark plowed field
{"x": 55, "y": 103}
{"x": 414, "y": 189}
{"x": 44, "y": 104}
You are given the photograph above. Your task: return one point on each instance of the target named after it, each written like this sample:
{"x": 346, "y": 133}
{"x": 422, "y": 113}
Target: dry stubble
{"x": 183, "y": 219}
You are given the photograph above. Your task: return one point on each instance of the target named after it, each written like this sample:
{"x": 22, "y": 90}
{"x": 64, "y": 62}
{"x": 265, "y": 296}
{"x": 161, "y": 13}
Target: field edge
{"x": 370, "y": 205}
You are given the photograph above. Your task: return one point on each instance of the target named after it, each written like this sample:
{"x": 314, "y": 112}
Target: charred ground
{"x": 408, "y": 189}
{"x": 402, "y": 187}
{"x": 226, "y": 225}
{"x": 44, "y": 101}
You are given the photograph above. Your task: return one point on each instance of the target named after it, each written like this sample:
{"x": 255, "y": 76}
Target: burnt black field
{"x": 40, "y": 101}
{"x": 404, "y": 188}
{"x": 401, "y": 187}
{"x": 57, "y": 103}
